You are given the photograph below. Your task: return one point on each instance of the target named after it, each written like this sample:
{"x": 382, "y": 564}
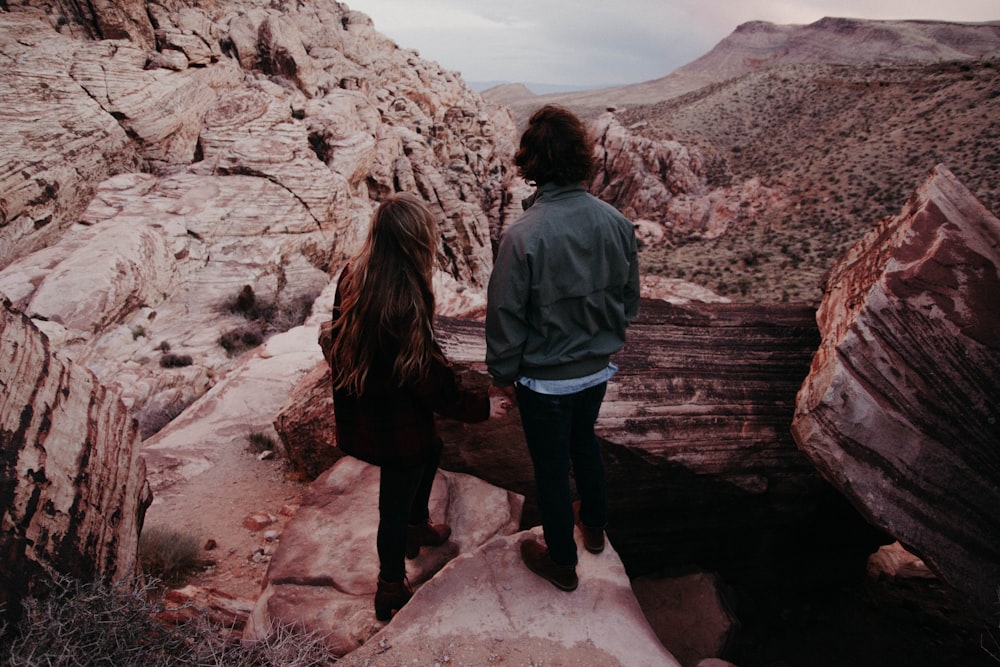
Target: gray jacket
{"x": 564, "y": 287}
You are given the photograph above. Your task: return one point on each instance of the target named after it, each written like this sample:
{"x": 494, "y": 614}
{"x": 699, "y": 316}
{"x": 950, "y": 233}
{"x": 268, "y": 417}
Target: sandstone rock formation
{"x": 161, "y": 158}
{"x": 72, "y": 485}
{"x": 667, "y": 185}
{"x": 323, "y": 575}
{"x": 702, "y": 468}
{"x": 486, "y": 607}
{"x": 899, "y": 410}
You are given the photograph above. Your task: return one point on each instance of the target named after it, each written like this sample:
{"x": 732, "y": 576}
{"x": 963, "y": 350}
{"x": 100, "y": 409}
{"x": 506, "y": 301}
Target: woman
{"x": 389, "y": 379}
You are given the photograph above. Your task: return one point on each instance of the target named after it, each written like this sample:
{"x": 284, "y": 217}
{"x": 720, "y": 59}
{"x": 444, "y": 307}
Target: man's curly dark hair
{"x": 555, "y": 148}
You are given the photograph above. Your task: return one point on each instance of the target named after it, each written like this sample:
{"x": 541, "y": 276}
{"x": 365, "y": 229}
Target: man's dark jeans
{"x": 559, "y": 431}
{"x": 403, "y": 495}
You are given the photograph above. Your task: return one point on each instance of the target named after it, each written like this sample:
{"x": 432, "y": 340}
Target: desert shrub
{"x": 264, "y": 317}
{"x": 171, "y": 360}
{"x": 239, "y": 339}
{"x": 117, "y": 624}
{"x": 153, "y": 417}
{"x": 168, "y": 555}
{"x": 261, "y": 442}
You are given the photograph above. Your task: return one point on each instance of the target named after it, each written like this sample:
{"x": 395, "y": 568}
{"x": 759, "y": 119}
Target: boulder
{"x": 323, "y": 575}
{"x": 486, "y": 607}
{"x": 72, "y": 485}
{"x": 93, "y": 277}
{"x": 899, "y": 410}
{"x": 691, "y": 615}
{"x": 305, "y": 424}
{"x": 702, "y": 470}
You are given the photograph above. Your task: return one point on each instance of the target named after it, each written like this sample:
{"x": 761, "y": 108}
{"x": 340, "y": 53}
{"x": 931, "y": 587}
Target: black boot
{"x": 425, "y": 534}
{"x": 391, "y": 596}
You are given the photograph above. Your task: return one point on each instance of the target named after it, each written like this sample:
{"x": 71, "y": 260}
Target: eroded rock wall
{"x": 72, "y": 486}
{"x": 899, "y": 410}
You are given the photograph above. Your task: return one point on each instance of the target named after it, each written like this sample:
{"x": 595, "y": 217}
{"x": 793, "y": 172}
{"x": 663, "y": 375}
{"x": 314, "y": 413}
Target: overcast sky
{"x": 608, "y": 42}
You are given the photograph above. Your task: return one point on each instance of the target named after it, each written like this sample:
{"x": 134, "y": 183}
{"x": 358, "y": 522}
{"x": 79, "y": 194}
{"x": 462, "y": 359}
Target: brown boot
{"x": 536, "y": 557}
{"x": 593, "y": 538}
{"x": 425, "y": 534}
{"x": 391, "y": 596}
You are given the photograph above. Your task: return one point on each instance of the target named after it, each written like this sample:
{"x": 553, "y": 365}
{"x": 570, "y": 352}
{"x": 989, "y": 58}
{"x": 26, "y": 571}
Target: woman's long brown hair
{"x": 387, "y": 298}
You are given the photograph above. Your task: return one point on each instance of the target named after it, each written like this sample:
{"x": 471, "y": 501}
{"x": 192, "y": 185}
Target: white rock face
{"x": 152, "y": 177}
{"x": 323, "y": 575}
{"x": 486, "y": 607}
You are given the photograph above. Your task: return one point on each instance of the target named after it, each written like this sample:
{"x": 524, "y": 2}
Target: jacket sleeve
{"x": 506, "y": 313}
{"x": 632, "y": 286}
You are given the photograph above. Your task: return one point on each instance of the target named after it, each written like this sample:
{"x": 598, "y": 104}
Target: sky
{"x": 596, "y": 43}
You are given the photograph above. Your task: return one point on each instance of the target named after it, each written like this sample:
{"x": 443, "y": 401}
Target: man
{"x": 565, "y": 286}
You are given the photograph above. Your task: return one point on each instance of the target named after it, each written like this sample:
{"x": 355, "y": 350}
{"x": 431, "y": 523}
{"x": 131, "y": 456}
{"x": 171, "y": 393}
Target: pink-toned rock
{"x": 893, "y": 561}
{"x": 258, "y": 521}
{"x": 194, "y": 603}
{"x": 486, "y": 607}
{"x": 161, "y": 109}
{"x": 323, "y": 575}
{"x": 664, "y": 187}
{"x": 267, "y": 137}
{"x": 93, "y": 277}
{"x": 305, "y": 424}
{"x": 642, "y": 175}
{"x": 57, "y": 142}
{"x": 899, "y": 410}
{"x": 72, "y": 484}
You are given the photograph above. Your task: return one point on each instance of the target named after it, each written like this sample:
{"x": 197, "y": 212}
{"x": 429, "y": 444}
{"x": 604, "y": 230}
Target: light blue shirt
{"x": 570, "y": 386}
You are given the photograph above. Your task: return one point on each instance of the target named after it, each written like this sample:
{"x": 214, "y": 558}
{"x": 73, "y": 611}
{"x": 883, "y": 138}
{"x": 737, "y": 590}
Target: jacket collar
{"x": 550, "y": 191}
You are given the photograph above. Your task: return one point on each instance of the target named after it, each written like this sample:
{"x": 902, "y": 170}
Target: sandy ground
{"x": 238, "y": 508}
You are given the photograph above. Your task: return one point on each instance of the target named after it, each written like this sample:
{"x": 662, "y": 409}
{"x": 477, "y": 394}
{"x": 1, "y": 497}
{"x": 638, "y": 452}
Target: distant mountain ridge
{"x": 824, "y": 128}
{"x": 758, "y": 45}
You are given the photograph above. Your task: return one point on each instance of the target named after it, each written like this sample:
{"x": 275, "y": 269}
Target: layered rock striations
{"x": 163, "y": 159}
{"x": 702, "y": 469}
{"x": 899, "y": 410}
{"x": 72, "y": 485}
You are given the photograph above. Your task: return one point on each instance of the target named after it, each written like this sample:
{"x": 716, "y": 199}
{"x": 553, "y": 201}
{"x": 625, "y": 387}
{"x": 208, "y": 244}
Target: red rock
{"x": 258, "y": 521}
{"x": 899, "y": 410}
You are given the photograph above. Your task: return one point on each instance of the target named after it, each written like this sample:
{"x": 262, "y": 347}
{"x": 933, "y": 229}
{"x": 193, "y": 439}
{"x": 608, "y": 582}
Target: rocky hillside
{"x": 808, "y": 135}
{"x": 181, "y": 180}
{"x": 844, "y": 145}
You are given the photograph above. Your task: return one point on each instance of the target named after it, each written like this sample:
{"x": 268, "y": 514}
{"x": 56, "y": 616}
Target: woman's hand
{"x": 502, "y": 399}
{"x": 498, "y": 407}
